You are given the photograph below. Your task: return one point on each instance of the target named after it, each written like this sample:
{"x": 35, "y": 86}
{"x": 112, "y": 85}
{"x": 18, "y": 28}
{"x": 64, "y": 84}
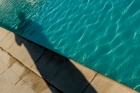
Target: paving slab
{"x": 2, "y": 52}
{"x": 7, "y": 80}
{"x": 7, "y": 59}
{"x": 35, "y": 70}
{"x": 70, "y": 79}
{"x": 51, "y": 89}
{"x": 86, "y": 72}
{"x": 37, "y": 83}
{"x": 19, "y": 69}
{"x": 26, "y": 52}
{"x": 48, "y": 90}
{"x": 22, "y": 87}
{"x": 3, "y": 67}
{"x": 42, "y": 62}
{"x": 49, "y": 64}
{"x": 7, "y": 41}
{"x": 31, "y": 83}
{"x": 3, "y": 33}
{"x": 104, "y": 84}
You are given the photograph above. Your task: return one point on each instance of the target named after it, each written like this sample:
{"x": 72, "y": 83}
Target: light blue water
{"x": 103, "y": 35}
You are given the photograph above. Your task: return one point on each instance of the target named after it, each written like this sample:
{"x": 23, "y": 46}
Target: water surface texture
{"x": 103, "y": 35}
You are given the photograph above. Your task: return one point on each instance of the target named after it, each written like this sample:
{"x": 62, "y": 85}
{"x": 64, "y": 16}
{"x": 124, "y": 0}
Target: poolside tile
{"x": 48, "y": 90}
{"x": 26, "y": 52}
{"x": 72, "y": 78}
{"x": 7, "y": 80}
{"x": 3, "y": 33}
{"x": 2, "y": 52}
{"x": 22, "y": 55}
{"x": 19, "y": 69}
{"x": 35, "y": 70}
{"x": 3, "y": 67}
{"x": 51, "y": 89}
{"x": 103, "y": 84}
{"x": 22, "y": 87}
{"x": 35, "y": 82}
{"x": 86, "y": 72}
{"x": 7, "y": 41}
{"x": 49, "y": 64}
{"x": 7, "y": 59}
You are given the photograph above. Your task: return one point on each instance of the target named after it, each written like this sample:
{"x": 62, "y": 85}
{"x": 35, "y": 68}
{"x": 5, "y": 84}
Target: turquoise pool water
{"x": 103, "y": 35}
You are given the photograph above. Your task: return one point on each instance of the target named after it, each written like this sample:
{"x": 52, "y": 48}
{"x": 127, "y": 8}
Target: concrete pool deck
{"x": 29, "y": 68}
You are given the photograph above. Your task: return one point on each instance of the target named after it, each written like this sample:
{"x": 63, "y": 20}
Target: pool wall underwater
{"x": 103, "y": 35}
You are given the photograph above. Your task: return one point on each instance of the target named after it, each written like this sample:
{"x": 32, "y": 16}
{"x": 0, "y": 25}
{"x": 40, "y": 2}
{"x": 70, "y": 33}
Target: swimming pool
{"x": 103, "y": 35}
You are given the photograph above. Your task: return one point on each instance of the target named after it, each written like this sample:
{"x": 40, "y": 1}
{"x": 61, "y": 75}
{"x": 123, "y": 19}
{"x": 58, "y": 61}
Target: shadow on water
{"x": 71, "y": 78}
{"x": 25, "y": 24}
